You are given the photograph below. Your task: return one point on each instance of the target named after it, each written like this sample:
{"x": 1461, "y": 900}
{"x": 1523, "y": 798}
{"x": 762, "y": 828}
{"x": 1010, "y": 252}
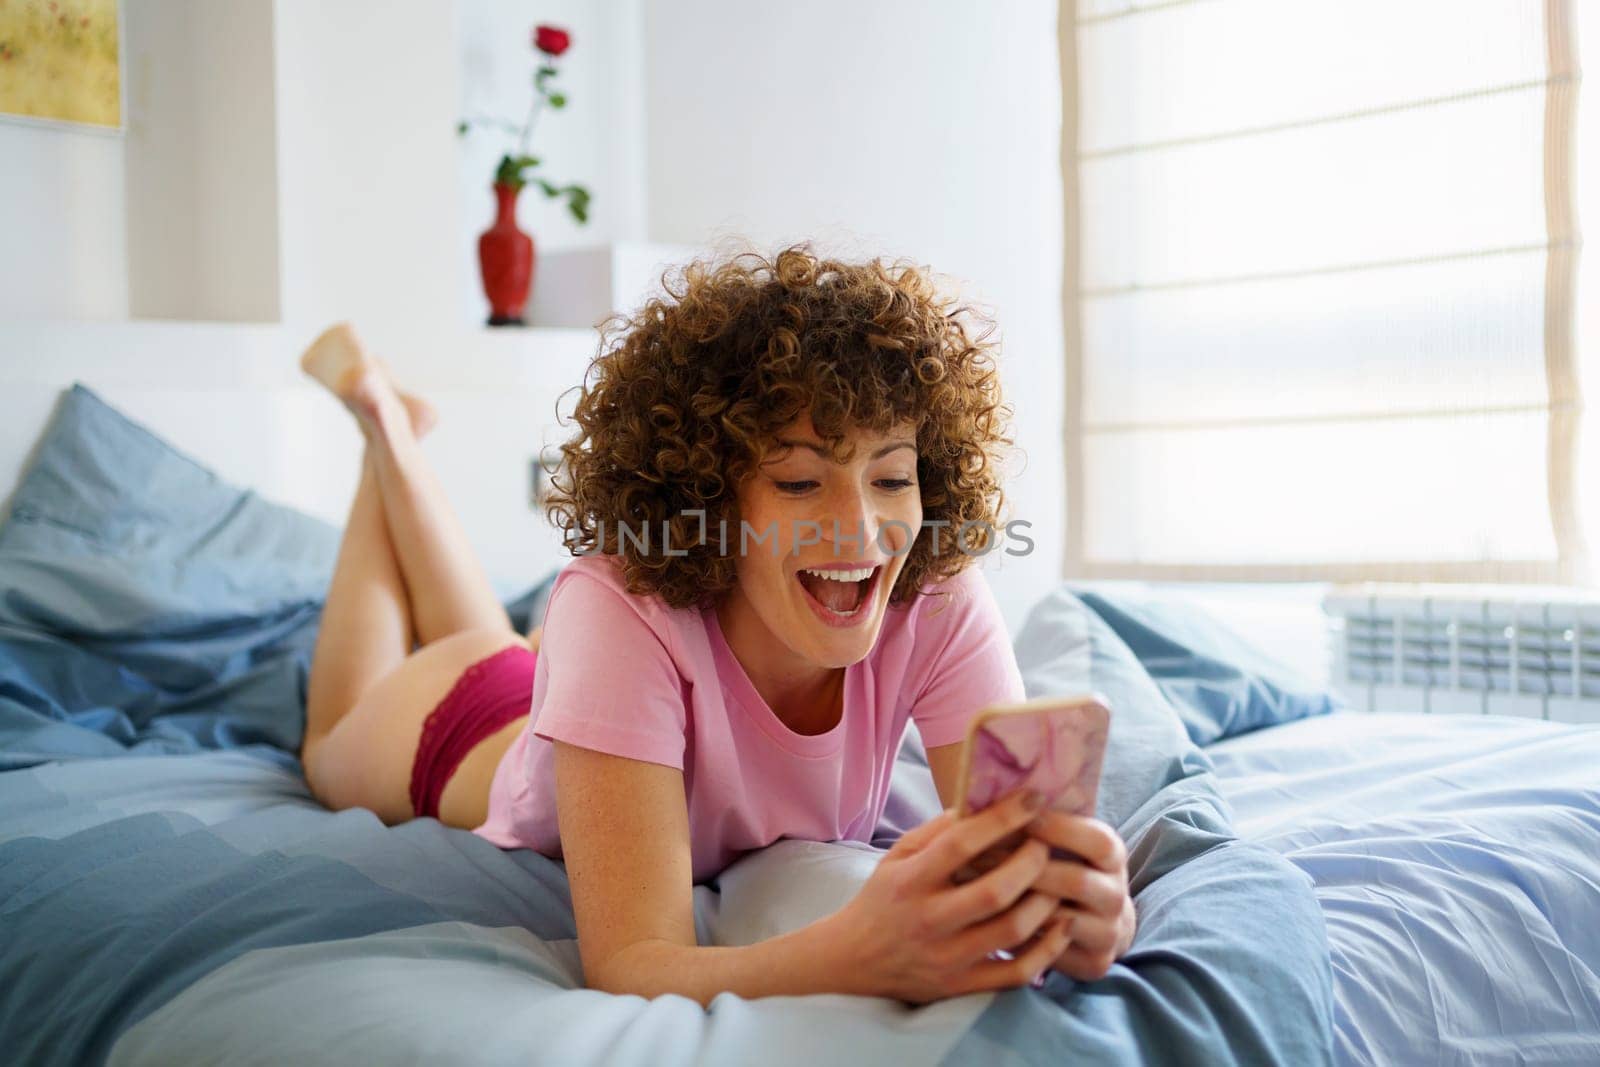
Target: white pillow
{"x": 789, "y": 884}
{"x": 792, "y": 883}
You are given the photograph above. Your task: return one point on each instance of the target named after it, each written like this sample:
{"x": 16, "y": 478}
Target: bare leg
{"x": 370, "y": 693}
{"x": 405, "y": 571}
{"x": 366, "y": 627}
{"x": 448, "y": 589}
{"x": 366, "y": 621}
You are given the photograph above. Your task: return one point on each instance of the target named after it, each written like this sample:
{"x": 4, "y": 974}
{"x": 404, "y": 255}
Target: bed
{"x": 1314, "y": 885}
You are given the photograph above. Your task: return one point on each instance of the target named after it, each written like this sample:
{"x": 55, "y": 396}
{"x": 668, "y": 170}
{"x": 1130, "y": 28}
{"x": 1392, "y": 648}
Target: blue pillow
{"x": 148, "y": 606}
{"x": 1220, "y": 684}
{"x": 1176, "y": 678}
{"x": 1065, "y": 648}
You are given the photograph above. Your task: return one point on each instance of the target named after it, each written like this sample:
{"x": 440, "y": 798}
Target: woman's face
{"x": 806, "y": 512}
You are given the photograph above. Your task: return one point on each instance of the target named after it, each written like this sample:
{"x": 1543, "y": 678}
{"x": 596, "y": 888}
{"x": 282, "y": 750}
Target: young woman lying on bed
{"x": 702, "y": 696}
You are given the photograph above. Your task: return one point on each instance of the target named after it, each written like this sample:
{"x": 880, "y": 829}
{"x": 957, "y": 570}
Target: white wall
{"x": 61, "y": 209}
{"x": 362, "y": 117}
{"x": 900, "y": 127}
{"x": 366, "y": 165}
{"x": 910, "y": 128}
{"x": 176, "y": 215}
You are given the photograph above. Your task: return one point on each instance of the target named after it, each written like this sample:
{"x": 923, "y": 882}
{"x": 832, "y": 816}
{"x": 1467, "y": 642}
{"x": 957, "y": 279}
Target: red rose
{"x": 551, "y": 40}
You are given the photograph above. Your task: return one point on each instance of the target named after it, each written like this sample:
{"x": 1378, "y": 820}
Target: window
{"x": 1327, "y": 268}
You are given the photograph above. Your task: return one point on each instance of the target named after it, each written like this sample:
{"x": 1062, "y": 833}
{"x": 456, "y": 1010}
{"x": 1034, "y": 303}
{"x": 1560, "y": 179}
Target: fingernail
{"x": 1034, "y": 801}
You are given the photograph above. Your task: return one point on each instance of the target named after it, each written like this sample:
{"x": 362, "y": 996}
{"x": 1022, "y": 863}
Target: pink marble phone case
{"x": 1056, "y": 748}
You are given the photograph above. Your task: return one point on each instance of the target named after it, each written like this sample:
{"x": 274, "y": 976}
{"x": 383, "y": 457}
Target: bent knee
{"x": 341, "y": 775}
{"x": 314, "y": 752}
{"x": 333, "y": 781}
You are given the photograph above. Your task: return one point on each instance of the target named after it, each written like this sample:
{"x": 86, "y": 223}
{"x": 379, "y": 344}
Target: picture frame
{"x": 49, "y": 37}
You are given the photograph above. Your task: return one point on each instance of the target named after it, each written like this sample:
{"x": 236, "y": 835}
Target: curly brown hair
{"x": 687, "y": 396}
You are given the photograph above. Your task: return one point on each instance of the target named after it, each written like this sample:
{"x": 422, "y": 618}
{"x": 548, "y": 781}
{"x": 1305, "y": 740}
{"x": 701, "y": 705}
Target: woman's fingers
{"x": 916, "y": 838}
{"x": 1010, "y": 929}
{"x": 1081, "y": 963}
{"x": 966, "y": 838}
{"x": 1093, "y": 933}
{"x": 1006, "y": 974}
{"x": 991, "y": 894}
{"x": 1097, "y": 843}
{"x": 1095, "y": 891}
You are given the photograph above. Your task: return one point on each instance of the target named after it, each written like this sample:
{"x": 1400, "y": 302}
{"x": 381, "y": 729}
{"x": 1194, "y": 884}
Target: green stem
{"x": 533, "y": 112}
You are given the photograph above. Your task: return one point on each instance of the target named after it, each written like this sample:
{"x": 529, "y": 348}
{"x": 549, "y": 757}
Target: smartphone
{"x": 1055, "y": 745}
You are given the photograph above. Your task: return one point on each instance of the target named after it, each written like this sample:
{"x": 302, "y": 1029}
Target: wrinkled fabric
{"x": 149, "y": 607}
{"x": 1457, "y": 860}
{"x": 201, "y": 905}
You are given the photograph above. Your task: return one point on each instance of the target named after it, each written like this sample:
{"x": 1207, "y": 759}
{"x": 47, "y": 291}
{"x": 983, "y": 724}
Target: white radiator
{"x": 1443, "y": 650}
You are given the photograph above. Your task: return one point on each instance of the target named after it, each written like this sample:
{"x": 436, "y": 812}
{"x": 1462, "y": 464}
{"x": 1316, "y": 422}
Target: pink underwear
{"x": 488, "y": 695}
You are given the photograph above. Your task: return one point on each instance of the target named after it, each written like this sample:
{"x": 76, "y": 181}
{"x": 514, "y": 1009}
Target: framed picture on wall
{"x": 61, "y": 62}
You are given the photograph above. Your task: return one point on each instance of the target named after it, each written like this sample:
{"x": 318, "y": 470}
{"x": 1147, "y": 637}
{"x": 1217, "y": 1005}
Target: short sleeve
{"x": 974, "y": 665}
{"x": 612, "y": 685}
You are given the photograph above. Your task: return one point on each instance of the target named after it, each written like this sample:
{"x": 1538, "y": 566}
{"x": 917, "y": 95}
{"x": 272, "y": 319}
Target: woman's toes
{"x": 363, "y": 393}
{"x": 424, "y": 416}
{"x": 363, "y": 383}
{"x": 337, "y": 359}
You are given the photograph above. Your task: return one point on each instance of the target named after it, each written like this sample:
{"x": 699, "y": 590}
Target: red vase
{"x": 505, "y": 256}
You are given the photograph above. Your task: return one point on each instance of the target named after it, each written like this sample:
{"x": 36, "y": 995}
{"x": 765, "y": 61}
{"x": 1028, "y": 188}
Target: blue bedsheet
{"x": 204, "y": 908}
{"x": 1458, "y": 863}
{"x": 201, "y": 906}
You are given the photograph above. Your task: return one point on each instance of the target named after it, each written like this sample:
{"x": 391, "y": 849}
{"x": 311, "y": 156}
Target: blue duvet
{"x": 169, "y": 892}
{"x": 1457, "y": 861}
{"x": 203, "y": 908}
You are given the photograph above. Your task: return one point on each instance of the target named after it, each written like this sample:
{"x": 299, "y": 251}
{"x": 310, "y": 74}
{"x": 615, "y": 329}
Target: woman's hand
{"x": 911, "y": 933}
{"x": 1092, "y": 885}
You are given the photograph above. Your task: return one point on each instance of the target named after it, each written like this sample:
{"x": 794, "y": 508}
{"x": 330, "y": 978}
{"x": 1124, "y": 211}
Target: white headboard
{"x": 233, "y": 397}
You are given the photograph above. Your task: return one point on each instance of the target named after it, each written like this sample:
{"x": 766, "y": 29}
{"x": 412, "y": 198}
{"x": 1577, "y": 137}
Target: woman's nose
{"x": 850, "y": 510}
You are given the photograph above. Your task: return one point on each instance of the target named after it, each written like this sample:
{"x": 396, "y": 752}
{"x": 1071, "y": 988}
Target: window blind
{"x": 1321, "y": 290}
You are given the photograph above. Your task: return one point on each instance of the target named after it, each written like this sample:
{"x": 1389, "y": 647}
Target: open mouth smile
{"x": 840, "y": 596}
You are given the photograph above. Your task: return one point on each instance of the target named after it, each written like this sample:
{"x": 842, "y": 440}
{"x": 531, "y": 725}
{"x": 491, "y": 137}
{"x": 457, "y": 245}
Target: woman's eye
{"x": 894, "y": 484}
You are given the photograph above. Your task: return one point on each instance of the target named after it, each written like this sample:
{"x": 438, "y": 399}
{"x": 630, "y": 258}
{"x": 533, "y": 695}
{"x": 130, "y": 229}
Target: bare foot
{"x": 339, "y": 360}
{"x": 424, "y": 416}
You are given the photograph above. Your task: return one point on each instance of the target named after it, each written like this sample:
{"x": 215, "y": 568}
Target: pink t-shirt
{"x": 631, "y": 676}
